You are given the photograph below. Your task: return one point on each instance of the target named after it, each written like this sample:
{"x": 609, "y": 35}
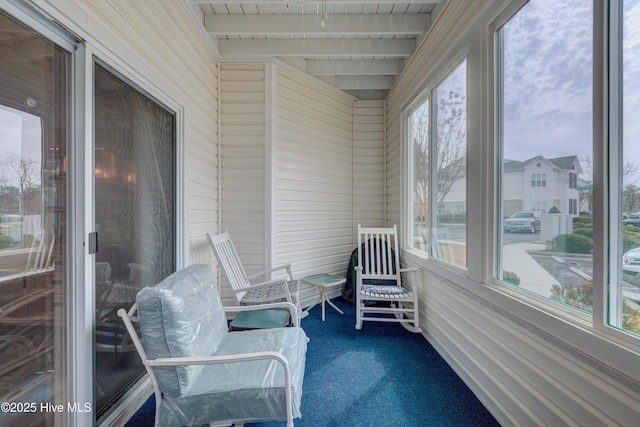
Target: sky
{"x": 548, "y": 48}
{"x": 631, "y": 70}
{"x": 20, "y": 134}
{"x": 548, "y": 80}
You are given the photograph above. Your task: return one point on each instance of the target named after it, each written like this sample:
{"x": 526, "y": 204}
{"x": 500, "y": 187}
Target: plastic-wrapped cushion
{"x": 182, "y": 316}
{"x": 247, "y": 391}
{"x": 271, "y": 293}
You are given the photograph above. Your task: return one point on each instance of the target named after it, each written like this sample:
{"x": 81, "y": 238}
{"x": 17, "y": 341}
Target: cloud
{"x": 631, "y": 81}
{"x": 548, "y": 80}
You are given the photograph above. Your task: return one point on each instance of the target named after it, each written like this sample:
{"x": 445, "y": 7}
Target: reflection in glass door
{"x": 33, "y": 224}
{"x": 135, "y": 219}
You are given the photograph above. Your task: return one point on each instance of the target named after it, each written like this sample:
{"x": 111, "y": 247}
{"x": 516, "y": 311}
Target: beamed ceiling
{"x": 357, "y": 46}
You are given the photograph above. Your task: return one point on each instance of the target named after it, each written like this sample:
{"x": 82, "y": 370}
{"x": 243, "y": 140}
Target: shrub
{"x": 630, "y": 318}
{"x": 27, "y": 240}
{"x": 630, "y": 238}
{"x": 572, "y": 243}
{"x": 582, "y": 219}
{"x": 584, "y": 231}
{"x": 5, "y": 242}
{"x": 511, "y": 278}
{"x": 554, "y": 210}
{"x": 580, "y": 296}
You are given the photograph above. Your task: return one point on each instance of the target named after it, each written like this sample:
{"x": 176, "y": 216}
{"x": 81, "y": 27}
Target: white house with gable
{"x": 536, "y": 184}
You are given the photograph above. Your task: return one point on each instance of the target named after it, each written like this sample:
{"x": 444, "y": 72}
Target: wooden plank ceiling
{"x": 357, "y": 46}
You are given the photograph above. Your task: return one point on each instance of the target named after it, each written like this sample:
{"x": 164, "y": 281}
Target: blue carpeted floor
{"x": 379, "y": 376}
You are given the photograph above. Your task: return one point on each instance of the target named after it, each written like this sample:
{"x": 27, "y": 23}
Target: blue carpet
{"x": 379, "y": 376}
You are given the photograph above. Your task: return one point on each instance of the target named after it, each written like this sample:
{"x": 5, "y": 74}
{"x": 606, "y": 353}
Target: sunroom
{"x": 130, "y": 129}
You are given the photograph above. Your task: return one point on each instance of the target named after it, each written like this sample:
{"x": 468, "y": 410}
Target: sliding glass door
{"x": 135, "y": 218}
{"x": 34, "y": 76}
{"x": 75, "y": 248}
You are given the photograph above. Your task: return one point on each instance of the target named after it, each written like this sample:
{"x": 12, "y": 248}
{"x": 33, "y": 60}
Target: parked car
{"x": 522, "y": 221}
{"x": 631, "y": 221}
{"x": 631, "y": 267}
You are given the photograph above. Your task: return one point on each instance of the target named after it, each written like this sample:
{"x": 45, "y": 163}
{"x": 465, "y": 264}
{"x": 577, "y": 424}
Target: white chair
{"x": 284, "y": 289}
{"x": 202, "y": 373}
{"x": 380, "y": 294}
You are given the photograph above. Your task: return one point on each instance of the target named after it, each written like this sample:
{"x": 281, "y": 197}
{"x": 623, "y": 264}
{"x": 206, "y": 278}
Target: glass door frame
{"x": 80, "y": 173}
{"x": 106, "y": 57}
{"x": 110, "y": 53}
{"x": 75, "y": 367}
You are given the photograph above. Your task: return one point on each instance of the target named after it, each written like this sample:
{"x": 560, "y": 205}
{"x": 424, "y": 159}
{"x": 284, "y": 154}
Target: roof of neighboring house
{"x": 560, "y": 162}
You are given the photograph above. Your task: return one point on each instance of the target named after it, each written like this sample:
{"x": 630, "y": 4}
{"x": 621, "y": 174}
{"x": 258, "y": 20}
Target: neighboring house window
{"x": 573, "y": 180}
{"x": 532, "y": 108}
{"x": 540, "y": 207}
{"x": 539, "y": 180}
{"x": 439, "y": 169}
{"x": 573, "y": 206}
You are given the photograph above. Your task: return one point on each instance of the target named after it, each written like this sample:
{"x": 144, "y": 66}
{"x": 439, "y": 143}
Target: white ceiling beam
{"x": 284, "y": 25}
{"x": 336, "y": 48}
{"x": 364, "y": 82}
{"x": 361, "y": 67}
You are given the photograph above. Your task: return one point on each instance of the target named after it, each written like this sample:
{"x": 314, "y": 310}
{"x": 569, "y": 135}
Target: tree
{"x": 27, "y": 176}
{"x": 630, "y": 194}
{"x": 420, "y": 142}
{"x": 631, "y": 198}
{"x": 451, "y": 142}
{"x": 451, "y": 150}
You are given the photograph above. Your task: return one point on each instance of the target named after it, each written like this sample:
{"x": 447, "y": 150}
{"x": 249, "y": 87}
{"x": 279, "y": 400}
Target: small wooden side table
{"x": 324, "y": 282}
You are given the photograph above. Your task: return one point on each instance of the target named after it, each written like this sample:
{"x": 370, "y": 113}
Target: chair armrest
{"x": 408, "y": 270}
{"x": 293, "y": 311}
{"x": 217, "y": 360}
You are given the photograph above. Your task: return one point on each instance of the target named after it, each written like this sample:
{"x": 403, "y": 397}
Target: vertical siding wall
{"x": 313, "y": 175}
{"x": 161, "y": 34}
{"x": 525, "y": 375}
{"x": 369, "y": 164}
{"x": 301, "y": 164}
{"x": 243, "y": 159}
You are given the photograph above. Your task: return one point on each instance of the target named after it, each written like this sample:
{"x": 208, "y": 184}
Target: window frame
{"x": 588, "y": 333}
{"x": 85, "y": 39}
{"x": 126, "y": 65}
{"x": 607, "y": 164}
{"x": 426, "y": 94}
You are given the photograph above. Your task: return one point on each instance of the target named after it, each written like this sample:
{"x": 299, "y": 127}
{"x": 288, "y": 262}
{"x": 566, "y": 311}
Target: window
{"x": 545, "y": 120}
{"x": 450, "y": 171}
{"x": 419, "y": 141}
{"x": 573, "y": 206}
{"x": 539, "y": 207}
{"x": 539, "y": 180}
{"x": 624, "y": 288}
{"x": 440, "y": 170}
